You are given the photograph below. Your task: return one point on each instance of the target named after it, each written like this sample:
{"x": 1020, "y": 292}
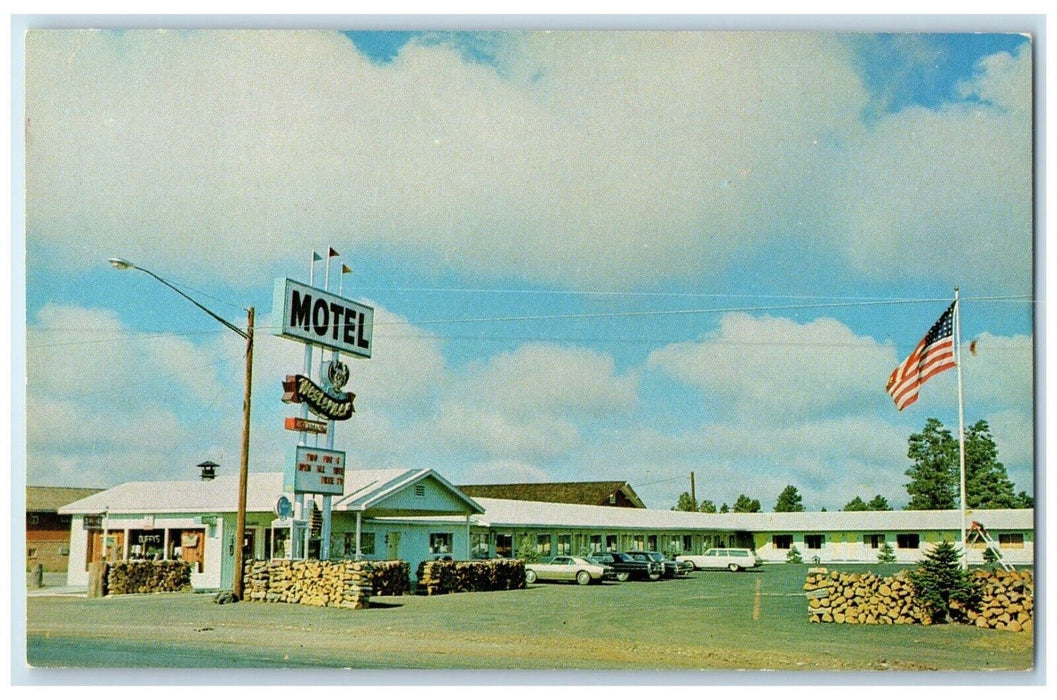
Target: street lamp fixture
{"x": 240, "y": 518}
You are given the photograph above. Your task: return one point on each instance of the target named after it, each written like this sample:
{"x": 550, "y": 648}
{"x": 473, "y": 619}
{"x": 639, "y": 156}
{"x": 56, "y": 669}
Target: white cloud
{"x": 503, "y": 472}
{"x": 1000, "y": 373}
{"x": 529, "y": 403}
{"x": 774, "y": 370}
{"x": 943, "y": 193}
{"x": 607, "y": 167}
{"x": 104, "y": 402}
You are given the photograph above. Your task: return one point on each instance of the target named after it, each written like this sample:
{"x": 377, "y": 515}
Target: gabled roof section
{"x": 48, "y": 499}
{"x": 413, "y": 493}
{"x": 590, "y": 493}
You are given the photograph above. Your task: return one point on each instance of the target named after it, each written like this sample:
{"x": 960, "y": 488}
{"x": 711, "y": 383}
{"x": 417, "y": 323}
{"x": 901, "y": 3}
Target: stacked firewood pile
{"x": 124, "y": 577}
{"x": 439, "y": 577}
{"x": 868, "y": 599}
{"x": 861, "y": 598}
{"x": 1008, "y": 601}
{"x": 390, "y": 577}
{"x": 334, "y": 584}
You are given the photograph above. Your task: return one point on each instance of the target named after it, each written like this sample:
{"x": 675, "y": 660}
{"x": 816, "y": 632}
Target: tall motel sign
{"x": 337, "y": 327}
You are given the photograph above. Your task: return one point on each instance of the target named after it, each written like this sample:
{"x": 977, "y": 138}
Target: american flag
{"x": 934, "y": 354}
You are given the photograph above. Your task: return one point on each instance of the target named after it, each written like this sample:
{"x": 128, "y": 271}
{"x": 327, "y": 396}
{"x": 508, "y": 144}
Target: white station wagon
{"x": 723, "y": 558}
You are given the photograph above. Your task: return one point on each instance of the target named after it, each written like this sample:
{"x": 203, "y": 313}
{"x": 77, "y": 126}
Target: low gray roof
{"x": 508, "y": 513}
{"x": 48, "y": 499}
{"x": 363, "y": 488}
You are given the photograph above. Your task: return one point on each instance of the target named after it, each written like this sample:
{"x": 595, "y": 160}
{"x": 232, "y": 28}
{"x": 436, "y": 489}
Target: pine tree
{"x": 856, "y": 504}
{"x": 794, "y": 556}
{"x": 987, "y": 484}
{"x": 936, "y": 473}
{"x": 942, "y": 588}
{"x": 685, "y": 503}
{"x": 933, "y": 452}
{"x": 744, "y": 504}
{"x": 789, "y": 501}
{"x": 878, "y": 502}
{"x": 886, "y": 555}
{"x": 706, "y": 506}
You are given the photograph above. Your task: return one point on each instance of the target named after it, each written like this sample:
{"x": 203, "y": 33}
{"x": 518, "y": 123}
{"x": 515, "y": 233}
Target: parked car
{"x": 724, "y": 558}
{"x": 564, "y": 568}
{"x": 670, "y": 568}
{"x": 627, "y": 567}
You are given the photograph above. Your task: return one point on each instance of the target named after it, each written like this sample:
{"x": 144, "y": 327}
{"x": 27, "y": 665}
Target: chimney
{"x": 209, "y": 470}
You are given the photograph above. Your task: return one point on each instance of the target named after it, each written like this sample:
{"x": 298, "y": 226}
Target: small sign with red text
{"x": 304, "y": 425}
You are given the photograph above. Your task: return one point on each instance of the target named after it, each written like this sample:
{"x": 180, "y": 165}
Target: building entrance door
{"x": 392, "y": 546}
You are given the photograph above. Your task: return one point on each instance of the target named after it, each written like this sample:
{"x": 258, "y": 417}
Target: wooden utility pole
{"x": 693, "y": 491}
{"x": 244, "y": 462}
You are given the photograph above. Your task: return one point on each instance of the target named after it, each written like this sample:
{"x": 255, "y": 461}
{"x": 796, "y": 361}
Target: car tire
{"x": 693, "y": 566}
{"x": 623, "y": 576}
{"x": 583, "y": 578}
{"x": 733, "y": 567}
{"x": 530, "y": 576}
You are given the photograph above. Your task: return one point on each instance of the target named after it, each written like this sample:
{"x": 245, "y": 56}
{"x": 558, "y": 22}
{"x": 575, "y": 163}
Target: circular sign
{"x": 283, "y": 507}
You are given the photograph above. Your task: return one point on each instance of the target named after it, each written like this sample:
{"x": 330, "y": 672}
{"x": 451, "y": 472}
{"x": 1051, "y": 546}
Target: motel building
{"x": 416, "y": 515}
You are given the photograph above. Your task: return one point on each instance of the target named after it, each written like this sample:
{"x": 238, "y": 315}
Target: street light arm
{"x": 124, "y": 264}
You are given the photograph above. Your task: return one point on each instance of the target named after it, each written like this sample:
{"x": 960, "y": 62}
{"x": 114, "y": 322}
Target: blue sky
{"x": 603, "y": 255}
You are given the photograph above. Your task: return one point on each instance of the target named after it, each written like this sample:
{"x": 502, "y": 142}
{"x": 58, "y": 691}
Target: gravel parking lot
{"x": 709, "y": 620}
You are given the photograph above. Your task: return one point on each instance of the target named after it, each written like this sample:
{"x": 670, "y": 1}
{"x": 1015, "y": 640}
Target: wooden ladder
{"x": 978, "y": 532}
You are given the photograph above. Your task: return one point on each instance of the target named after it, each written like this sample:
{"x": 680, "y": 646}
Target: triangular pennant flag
{"x": 345, "y": 269}
{"x": 316, "y": 257}
{"x": 332, "y": 253}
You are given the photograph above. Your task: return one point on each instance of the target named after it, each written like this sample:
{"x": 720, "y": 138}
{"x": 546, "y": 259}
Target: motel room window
{"x": 543, "y": 545}
{"x": 479, "y": 545}
{"x": 688, "y": 543}
{"x": 440, "y": 543}
{"x": 611, "y": 543}
{"x": 639, "y": 542}
{"x": 782, "y": 541}
{"x": 908, "y": 540}
{"x": 873, "y": 541}
{"x": 367, "y": 541}
{"x": 504, "y": 545}
{"x": 651, "y": 543}
{"x": 595, "y": 543}
{"x": 1011, "y": 540}
{"x": 565, "y": 545}
{"x": 814, "y": 541}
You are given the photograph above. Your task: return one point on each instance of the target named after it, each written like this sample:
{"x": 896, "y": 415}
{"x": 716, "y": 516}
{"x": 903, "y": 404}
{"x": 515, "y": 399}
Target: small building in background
{"x": 48, "y": 531}
{"x": 586, "y": 493}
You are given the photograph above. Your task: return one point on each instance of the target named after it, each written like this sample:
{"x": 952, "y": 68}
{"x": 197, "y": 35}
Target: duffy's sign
{"x": 297, "y": 388}
{"x": 316, "y": 317}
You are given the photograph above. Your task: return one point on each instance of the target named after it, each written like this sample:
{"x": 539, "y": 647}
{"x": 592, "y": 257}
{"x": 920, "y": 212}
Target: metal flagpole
{"x": 325, "y": 529}
{"x": 961, "y": 422}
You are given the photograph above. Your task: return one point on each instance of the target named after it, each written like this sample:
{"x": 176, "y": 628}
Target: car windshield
{"x": 655, "y": 556}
